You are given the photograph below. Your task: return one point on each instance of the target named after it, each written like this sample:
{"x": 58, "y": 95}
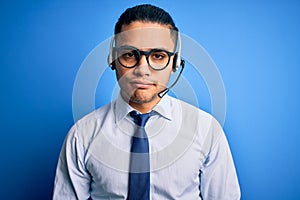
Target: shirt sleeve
{"x": 218, "y": 179}
{"x": 72, "y": 180}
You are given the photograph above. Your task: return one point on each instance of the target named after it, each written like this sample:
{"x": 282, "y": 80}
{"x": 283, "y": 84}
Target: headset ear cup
{"x": 175, "y": 67}
{"x": 111, "y": 62}
{"x": 113, "y": 65}
{"x": 111, "y": 55}
{"x": 111, "y": 59}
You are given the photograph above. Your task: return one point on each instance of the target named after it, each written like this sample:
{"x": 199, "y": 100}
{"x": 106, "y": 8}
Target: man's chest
{"x": 172, "y": 179}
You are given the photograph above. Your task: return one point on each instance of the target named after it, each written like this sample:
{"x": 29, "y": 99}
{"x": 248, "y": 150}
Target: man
{"x": 145, "y": 144}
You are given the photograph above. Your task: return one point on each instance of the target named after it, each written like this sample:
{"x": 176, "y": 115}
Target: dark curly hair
{"x": 145, "y": 13}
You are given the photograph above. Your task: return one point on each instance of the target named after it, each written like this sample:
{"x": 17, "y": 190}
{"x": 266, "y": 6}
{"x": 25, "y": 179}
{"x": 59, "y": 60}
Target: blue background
{"x": 255, "y": 45}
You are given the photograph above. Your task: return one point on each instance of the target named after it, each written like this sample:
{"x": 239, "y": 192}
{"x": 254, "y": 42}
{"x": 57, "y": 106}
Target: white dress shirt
{"x": 189, "y": 155}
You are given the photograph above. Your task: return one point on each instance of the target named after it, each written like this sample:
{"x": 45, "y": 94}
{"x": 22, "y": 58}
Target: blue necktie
{"x": 139, "y": 174}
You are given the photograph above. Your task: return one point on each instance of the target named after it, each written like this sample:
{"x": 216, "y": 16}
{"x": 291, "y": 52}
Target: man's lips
{"x": 141, "y": 84}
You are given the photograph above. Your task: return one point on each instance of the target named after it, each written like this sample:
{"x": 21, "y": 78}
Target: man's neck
{"x": 143, "y": 107}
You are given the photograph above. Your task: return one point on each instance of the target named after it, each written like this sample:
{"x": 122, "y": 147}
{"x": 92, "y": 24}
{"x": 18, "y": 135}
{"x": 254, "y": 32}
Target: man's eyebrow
{"x": 162, "y": 48}
{"x": 145, "y": 49}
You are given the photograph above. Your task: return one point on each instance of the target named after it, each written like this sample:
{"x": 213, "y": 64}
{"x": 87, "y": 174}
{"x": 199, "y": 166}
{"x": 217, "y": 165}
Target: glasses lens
{"x": 159, "y": 59}
{"x": 128, "y": 57}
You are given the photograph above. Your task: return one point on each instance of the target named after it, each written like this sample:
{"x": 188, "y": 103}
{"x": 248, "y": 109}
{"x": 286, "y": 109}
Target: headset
{"x": 177, "y": 62}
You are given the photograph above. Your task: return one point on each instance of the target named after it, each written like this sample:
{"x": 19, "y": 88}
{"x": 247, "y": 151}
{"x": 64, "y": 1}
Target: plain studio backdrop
{"x": 254, "y": 44}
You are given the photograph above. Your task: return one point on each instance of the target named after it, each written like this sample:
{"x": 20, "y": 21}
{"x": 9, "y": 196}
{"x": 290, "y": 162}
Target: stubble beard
{"x": 137, "y": 98}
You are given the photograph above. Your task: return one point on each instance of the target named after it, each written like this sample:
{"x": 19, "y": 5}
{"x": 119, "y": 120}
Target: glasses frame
{"x": 140, "y": 53}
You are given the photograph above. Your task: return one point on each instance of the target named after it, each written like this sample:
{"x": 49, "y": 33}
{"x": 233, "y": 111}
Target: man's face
{"x": 141, "y": 84}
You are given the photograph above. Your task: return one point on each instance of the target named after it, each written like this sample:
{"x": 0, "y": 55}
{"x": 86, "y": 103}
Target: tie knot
{"x": 140, "y": 119}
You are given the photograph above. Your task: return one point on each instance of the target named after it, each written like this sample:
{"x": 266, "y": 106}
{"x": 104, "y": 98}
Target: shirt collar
{"x": 122, "y": 108}
{"x": 163, "y": 108}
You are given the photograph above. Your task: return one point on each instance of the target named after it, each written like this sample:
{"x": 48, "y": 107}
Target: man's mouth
{"x": 141, "y": 84}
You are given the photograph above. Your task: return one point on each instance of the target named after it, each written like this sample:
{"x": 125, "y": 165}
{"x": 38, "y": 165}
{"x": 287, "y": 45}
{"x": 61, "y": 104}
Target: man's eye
{"x": 128, "y": 55}
{"x": 158, "y": 56}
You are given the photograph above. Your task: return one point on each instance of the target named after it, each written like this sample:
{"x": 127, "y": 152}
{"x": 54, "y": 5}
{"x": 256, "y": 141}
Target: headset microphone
{"x": 166, "y": 90}
{"x": 176, "y": 64}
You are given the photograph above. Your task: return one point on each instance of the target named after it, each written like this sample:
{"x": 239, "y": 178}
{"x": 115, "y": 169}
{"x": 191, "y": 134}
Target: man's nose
{"x": 143, "y": 66}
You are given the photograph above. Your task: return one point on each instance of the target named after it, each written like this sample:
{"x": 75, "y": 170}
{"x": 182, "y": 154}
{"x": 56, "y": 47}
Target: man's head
{"x": 149, "y": 37}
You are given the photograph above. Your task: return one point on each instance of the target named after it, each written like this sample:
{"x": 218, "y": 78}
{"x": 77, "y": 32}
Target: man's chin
{"x": 141, "y": 97}
{"x": 142, "y": 100}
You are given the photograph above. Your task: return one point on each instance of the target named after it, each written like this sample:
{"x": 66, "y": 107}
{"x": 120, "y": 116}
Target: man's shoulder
{"x": 189, "y": 109}
{"x": 96, "y": 114}
{"x": 195, "y": 116}
{"x": 89, "y": 126}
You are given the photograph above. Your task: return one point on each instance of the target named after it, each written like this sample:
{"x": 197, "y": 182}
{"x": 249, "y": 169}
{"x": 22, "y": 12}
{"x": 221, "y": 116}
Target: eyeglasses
{"x": 129, "y": 57}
